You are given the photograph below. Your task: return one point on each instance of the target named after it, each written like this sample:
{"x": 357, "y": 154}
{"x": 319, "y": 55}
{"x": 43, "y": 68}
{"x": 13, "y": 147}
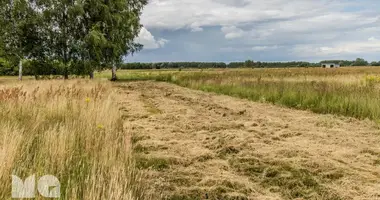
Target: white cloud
{"x": 324, "y": 22}
{"x": 235, "y": 3}
{"x": 373, "y": 39}
{"x": 355, "y": 47}
{"x": 294, "y": 29}
{"x": 196, "y": 29}
{"x": 232, "y": 32}
{"x": 149, "y": 41}
{"x": 264, "y": 48}
{"x": 176, "y": 14}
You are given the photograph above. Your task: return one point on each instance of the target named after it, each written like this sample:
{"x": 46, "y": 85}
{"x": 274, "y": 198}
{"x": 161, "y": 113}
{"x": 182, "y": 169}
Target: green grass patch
{"x": 290, "y": 181}
{"x": 155, "y": 163}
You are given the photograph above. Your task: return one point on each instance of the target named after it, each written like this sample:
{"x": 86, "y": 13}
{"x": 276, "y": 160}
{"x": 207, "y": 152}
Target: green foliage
{"x": 112, "y": 27}
{"x": 38, "y": 67}
{"x": 249, "y": 63}
{"x": 360, "y": 62}
{"x": 6, "y": 67}
{"x": 203, "y": 65}
{"x": 374, "y": 63}
{"x": 246, "y": 64}
{"x": 81, "y": 35}
{"x": 21, "y": 33}
{"x": 173, "y": 65}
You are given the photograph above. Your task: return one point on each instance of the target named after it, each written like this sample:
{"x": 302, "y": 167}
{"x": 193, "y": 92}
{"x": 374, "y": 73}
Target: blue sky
{"x": 270, "y": 30}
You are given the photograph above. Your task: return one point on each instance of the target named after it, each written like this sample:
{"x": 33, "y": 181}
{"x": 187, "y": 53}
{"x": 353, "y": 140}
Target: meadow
{"x": 66, "y": 129}
{"x": 351, "y": 91}
{"x": 145, "y": 138}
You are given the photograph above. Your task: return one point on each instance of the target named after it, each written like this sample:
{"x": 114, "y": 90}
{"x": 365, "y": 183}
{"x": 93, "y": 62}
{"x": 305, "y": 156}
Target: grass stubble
{"x": 202, "y": 145}
{"x": 351, "y": 91}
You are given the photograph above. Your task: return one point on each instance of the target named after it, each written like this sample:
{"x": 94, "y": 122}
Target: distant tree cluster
{"x": 245, "y": 64}
{"x": 250, "y": 63}
{"x": 357, "y": 62}
{"x": 173, "y": 65}
{"x": 375, "y": 63}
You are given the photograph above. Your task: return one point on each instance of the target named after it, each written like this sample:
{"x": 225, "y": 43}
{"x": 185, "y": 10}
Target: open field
{"x": 154, "y": 140}
{"x": 193, "y": 144}
{"x": 346, "y": 91}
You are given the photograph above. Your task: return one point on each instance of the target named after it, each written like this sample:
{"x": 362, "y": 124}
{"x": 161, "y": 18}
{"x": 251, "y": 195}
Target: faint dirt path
{"x": 196, "y": 145}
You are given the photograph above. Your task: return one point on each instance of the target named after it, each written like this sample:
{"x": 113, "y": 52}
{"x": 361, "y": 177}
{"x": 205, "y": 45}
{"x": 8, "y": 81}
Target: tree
{"x": 249, "y": 63}
{"x": 85, "y": 35}
{"x": 360, "y": 62}
{"x": 113, "y": 27}
{"x": 63, "y": 23}
{"x": 374, "y": 63}
{"x": 20, "y": 32}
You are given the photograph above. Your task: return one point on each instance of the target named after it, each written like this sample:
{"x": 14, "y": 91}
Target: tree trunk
{"x": 114, "y": 77}
{"x": 92, "y": 75}
{"x": 66, "y": 73}
{"x": 20, "y": 70}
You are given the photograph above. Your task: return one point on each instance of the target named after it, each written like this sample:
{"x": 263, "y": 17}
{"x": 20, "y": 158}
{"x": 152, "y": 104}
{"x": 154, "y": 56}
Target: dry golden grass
{"x": 351, "y": 91}
{"x": 72, "y": 130}
{"x": 204, "y": 145}
{"x": 191, "y": 144}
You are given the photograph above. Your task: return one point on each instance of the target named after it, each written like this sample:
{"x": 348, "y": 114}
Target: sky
{"x": 260, "y": 30}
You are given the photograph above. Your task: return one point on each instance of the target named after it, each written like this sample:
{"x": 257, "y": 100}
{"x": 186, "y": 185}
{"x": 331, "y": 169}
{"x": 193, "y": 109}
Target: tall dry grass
{"x": 72, "y": 130}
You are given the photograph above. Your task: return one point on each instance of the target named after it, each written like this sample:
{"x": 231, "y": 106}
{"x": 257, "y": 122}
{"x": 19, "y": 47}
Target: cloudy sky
{"x": 264, "y": 30}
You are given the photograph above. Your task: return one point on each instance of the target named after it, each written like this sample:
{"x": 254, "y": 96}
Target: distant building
{"x": 330, "y": 65}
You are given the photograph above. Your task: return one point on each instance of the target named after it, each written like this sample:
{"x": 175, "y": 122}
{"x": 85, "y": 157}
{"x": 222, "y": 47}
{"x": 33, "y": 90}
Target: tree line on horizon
{"x": 245, "y": 64}
{"x": 35, "y": 67}
{"x": 67, "y": 37}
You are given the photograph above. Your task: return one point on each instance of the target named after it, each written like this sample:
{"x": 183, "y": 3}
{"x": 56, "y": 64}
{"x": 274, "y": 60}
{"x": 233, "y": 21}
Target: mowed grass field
{"x": 239, "y": 135}
{"x": 350, "y": 91}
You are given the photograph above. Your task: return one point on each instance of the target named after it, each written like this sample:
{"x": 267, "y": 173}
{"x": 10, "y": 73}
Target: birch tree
{"x": 112, "y": 29}
{"x": 79, "y": 34}
{"x": 20, "y": 30}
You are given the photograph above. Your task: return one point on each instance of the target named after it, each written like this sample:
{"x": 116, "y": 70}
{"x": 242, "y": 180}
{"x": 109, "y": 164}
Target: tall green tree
{"x": 112, "y": 26}
{"x": 63, "y": 23}
{"x": 249, "y": 63}
{"x": 20, "y": 32}
{"x": 360, "y": 62}
{"x": 82, "y": 35}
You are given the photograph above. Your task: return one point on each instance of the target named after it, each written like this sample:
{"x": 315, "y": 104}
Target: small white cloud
{"x": 325, "y": 49}
{"x": 264, "y": 48}
{"x": 149, "y": 41}
{"x": 372, "y": 39}
{"x": 232, "y": 32}
{"x": 162, "y": 42}
{"x": 196, "y": 29}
